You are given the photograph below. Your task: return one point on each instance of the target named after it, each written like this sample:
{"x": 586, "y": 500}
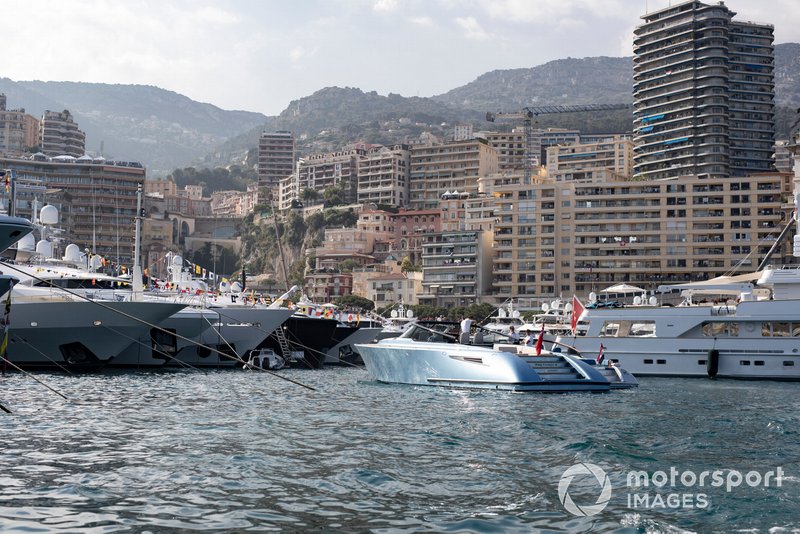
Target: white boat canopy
{"x": 622, "y": 289}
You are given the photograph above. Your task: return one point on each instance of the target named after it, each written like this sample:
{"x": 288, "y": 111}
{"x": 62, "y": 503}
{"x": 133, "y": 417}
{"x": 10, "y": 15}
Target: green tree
{"x": 348, "y": 265}
{"x": 334, "y": 196}
{"x": 354, "y": 301}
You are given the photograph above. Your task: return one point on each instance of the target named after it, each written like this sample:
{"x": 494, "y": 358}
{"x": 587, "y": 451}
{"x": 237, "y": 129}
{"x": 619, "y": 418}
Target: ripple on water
{"x": 234, "y": 451}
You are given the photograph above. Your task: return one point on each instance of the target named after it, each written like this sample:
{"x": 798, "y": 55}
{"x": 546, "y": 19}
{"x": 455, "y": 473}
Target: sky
{"x": 259, "y": 55}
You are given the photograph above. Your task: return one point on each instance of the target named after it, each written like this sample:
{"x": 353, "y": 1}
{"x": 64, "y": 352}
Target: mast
{"x": 278, "y": 239}
{"x": 136, "y": 276}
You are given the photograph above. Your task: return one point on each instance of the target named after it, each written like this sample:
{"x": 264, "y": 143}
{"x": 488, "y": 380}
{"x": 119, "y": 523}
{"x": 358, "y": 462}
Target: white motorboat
{"x": 428, "y": 354}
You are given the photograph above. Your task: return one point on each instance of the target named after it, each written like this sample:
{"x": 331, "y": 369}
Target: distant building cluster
{"x": 698, "y": 188}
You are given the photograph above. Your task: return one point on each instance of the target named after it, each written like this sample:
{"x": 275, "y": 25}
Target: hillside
{"x": 165, "y": 130}
{"x": 160, "y": 128}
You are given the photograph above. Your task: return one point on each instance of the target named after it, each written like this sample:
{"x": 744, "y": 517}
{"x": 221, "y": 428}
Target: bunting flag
{"x": 540, "y": 341}
{"x": 8, "y": 180}
{"x": 601, "y": 355}
{"x": 197, "y": 269}
{"x": 577, "y": 310}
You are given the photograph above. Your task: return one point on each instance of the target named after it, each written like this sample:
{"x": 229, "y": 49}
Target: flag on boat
{"x": 600, "y": 355}
{"x": 540, "y": 341}
{"x": 577, "y": 310}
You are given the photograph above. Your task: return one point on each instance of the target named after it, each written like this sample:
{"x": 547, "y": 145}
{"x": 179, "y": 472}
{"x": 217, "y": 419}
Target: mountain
{"x": 593, "y": 80}
{"x": 165, "y": 130}
{"x": 159, "y": 128}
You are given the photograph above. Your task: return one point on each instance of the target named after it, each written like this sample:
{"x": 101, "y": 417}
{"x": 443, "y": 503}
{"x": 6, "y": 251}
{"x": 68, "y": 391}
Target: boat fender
{"x": 712, "y": 363}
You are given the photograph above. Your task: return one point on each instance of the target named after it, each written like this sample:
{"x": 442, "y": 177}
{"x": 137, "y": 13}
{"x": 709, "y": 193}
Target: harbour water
{"x": 235, "y": 451}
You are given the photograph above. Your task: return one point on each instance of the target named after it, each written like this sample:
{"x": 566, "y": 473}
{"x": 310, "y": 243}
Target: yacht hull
{"x": 78, "y": 335}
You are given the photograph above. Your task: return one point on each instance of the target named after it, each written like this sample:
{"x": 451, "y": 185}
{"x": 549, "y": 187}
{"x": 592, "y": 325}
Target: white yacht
{"x": 725, "y": 327}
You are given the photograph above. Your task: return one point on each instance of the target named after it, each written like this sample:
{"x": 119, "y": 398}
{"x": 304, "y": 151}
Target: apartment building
{"x": 510, "y": 146}
{"x": 18, "y": 130}
{"x": 234, "y": 203}
{"x": 160, "y": 187}
{"x": 59, "y": 135}
{"x": 334, "y": 169}
{"x": 98, "y": 199}
{"x": 587, "y": 160}
{"x": 385, "y": 289}
{"x": 456, "y": 268}
{"x": 383, "y": 175}
{"x": 445, "y": 168}
{"x": 703, "y": 93}
{"x": 558, "y": 238}
{"x": 276, "y": 158}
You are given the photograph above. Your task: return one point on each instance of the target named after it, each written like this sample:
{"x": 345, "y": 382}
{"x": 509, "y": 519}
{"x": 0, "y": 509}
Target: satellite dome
{"x": 72, "y": 253}
{"x": 49, "y": 215}
{"x": 45, "y": 248}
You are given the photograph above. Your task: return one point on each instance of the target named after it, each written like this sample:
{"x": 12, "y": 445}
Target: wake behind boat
{"x": 428, "y": 354}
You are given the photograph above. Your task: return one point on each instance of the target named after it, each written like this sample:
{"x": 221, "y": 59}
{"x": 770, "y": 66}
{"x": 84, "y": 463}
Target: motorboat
{"x": 744, "y": 326}
{"x": 428, "y": 354}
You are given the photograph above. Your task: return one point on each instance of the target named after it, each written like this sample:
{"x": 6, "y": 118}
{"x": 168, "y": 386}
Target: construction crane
{"x": 528, "y": 113}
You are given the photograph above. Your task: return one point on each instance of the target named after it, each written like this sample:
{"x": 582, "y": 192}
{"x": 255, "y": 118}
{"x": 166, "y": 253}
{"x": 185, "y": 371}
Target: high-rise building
{"x": 704, "y": 87}
{"x": 450, "y": 168}
{"x": 59, "y": 135}
{"x": 18, "y": 130}
{"x": 383, "y": 175}
{"x": 276, "y": 158}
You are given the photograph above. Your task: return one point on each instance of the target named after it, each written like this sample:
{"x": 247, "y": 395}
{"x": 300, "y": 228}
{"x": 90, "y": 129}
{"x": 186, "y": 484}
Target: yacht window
{"x": 701, "y": 362}
{"x": 795, "y": 329}
{"x": 758, "y": 362}
{"x": 648, "y": 361}
{"x": 788, "y": 363}
{"x": 744, "y": 362}
{"x": 780, "y": 329}
{"x": 765, "y": 331}
{"x": 661, "y": 362}
{"x": 721, "y": 329}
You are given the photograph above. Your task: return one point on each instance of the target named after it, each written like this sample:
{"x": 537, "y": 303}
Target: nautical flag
{"x": 600, "y": 355}
{"x": 577, "y": 310}
{"x": 197, "y": 269}
{"x": 8, "y": 180}
{"x": 540, "y": 341}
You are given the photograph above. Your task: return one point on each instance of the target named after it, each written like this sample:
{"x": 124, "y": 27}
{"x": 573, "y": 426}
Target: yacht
{"x": 428, "y": 354}
{"x": 745, "y": 326}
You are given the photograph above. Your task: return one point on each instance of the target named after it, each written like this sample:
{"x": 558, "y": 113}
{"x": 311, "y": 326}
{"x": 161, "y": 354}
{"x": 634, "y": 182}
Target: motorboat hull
{"x": 512, "y": 368}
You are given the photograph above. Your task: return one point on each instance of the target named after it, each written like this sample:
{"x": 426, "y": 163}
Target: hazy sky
{"x": 258, "y": 55}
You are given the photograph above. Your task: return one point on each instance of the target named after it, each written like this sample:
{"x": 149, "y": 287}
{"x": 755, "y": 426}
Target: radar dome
{"x": 44, "y": 248}
{"x": 177, "y": 260}
{"x": 49, "y": 215}
{"x": 545, "y": 307}
{"x": 394, "y": 314}
{"x": 637, "y": 300}
{"x": 72, "y": 253}
{"x": 653, "y": 301}
{"x": 592, "y": 297}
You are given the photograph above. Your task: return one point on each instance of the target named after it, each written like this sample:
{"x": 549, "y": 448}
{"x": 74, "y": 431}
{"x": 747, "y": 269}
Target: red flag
{"x": 540, "y": 341}
{"x": 577, "y": 310}
{"x": 600, "y": 354}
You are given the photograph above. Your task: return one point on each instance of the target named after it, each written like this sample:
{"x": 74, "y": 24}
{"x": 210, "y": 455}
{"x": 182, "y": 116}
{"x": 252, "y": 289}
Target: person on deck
{"x": 513, "y": 336}
{"x": 466, "y": 326}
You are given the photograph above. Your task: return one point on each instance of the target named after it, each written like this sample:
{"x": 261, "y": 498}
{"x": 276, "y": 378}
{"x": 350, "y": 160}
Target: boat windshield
{"x": 437, "y": 332}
